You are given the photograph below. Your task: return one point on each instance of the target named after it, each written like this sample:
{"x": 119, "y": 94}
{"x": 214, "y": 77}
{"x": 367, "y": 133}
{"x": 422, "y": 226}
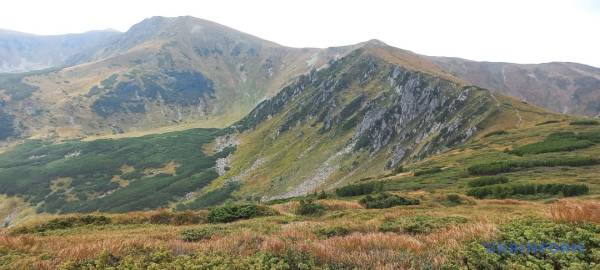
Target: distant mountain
{"x": 163, "y": 71}
{"x": 188, "y": 72}
{"x": 562, "y": 87}
{"x": 20, "y": 52}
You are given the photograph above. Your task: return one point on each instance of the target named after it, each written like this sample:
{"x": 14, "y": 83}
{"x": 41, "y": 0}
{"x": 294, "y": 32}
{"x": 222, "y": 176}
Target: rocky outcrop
{"x": 384, "y": 108}
{"x": 384, "y": 105}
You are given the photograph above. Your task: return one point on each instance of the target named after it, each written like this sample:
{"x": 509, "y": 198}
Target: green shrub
{"x": 495, "y": 133}
{"x": 592, "y": 136}
{"x": 547, "y": 122}
{"x": 509, "y": 190}
{"x": 584, "y": 123}
{"x": 65, "y": 223}
{"x": 420, "y": 224}
{"x": 233, "y": 212}
{"x": 162, "y": 217}
{"x": 398, "y": 169}
{"x": 452, "y": 200}
{"x": 333, "y": 231}
{"x": 186, "y": 218}
{"x": 198, "y": 234}
{"x": 513, "y": 165}
{"x": 309, "y": 207}
{"x": 428, "y": 171}
{"x": 322, "y": 195}
{"x": 535, "y": 231}
{"x": 556, "y": 142}
{"x": 386, "y": 200}
{"x": 359, "y": 189}
{"x": 487, "y": 181}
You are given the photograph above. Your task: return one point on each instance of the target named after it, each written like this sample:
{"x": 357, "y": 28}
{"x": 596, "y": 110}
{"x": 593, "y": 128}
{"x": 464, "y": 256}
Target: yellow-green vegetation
{"x": 541, "y": 170}
{"x": 425, "y": 236}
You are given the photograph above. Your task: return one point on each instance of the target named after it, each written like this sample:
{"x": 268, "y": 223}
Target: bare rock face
{"x": 410, "y": 107}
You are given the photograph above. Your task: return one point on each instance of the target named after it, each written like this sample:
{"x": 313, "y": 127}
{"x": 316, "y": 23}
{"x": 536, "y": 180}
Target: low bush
{"x": 233, "y": 212}
{"x": 420, "y": 224}
{"x": 65, "y": 223}
{"x": 555, "y": 142}
{"x": 398, "y": 169}
{"x": 494, "y": 133}
{"x": 386, "y": 200}
{"x": 522, "y": 241}
{"x": 309, "y": 207}
{"x": 513, "y": 165}
{"x": 333, "y": 231}
{"x": 509, "y": 190}
{"x": 592, "y": 136}
{"x": 359, "y": 189}
{"x": 584, "y": 123}
{"x": 488, "y": 180}
{"x": 428, "y": 171}
{"x": 454, "y": 200}
{"x": 175, "y": 218}
{"x": 547, "y": 122}
{"x": 198, "y": 234}
{"x": 322, "y": 195}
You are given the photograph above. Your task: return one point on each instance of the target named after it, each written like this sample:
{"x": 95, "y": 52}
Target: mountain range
{"x": 188, "y": 72}
{"x": 128, "y": 122}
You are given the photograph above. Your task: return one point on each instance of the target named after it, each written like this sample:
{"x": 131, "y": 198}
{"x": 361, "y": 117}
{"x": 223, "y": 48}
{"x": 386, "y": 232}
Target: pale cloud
{"x": 522, "y": 31}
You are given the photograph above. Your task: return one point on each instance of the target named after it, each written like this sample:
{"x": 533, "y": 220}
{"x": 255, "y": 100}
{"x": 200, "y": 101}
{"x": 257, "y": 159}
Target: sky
{"x": 519, "y": 31}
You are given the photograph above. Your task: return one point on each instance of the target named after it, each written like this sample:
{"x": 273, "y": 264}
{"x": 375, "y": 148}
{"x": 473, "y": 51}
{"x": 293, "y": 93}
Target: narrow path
{"x": 518, "y": 113}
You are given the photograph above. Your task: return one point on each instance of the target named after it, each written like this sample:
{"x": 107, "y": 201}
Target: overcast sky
{"x": 521, "y": 31}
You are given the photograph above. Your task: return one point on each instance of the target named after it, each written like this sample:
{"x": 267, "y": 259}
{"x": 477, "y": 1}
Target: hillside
{"x": 562, "y": 87}
{"x": 161, "y": 72}
{"x": 363, "y": 117}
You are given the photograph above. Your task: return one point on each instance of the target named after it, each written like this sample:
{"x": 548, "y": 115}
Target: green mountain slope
{"x": 365, "y": 116}
{"x": 109, "y": 175}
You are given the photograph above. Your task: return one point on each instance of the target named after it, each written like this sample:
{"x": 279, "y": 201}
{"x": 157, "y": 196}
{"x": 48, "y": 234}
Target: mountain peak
{"x": 404, "y": 58}
{"x": 374, "y": 42}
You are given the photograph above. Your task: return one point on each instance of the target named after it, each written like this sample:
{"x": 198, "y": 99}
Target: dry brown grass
{"x": 575, "y": 212}
{"x": 338, "y": 205}
{"x": 364, "y": 248}
{"x": 379, "y": 250}
{"x": 88, "y": 244}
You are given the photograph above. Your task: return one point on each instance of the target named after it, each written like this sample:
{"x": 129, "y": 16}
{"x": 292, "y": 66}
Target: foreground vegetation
{"x": 345, "y": 236}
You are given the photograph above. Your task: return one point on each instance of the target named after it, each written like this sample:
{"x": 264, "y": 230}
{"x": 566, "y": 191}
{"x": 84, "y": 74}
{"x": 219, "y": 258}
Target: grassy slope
{"x": 272, "y": 163}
